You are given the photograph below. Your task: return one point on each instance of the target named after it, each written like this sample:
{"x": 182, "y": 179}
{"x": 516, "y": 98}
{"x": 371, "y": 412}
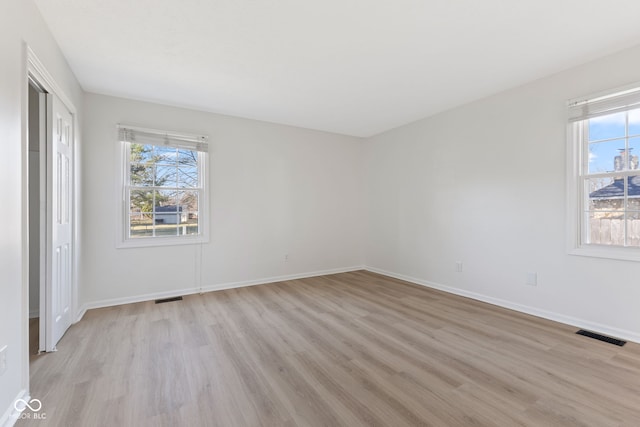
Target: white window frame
{"x": 580, "y": 110}
{"x": 123, "y": 240}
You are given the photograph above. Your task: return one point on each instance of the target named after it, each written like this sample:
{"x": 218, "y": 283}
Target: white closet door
{"x": 59, "y": 233}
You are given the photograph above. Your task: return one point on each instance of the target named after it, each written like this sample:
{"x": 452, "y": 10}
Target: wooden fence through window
{"x": 606, "y": 231}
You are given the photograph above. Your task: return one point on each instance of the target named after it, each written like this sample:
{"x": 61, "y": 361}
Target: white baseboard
{"x": 81, "y": 312}
{"x": 558, "y": 317}
{"x": 11, "y": 415}
{"x": 219, "y": 287}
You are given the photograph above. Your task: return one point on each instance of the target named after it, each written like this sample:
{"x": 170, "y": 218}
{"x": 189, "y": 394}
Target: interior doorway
{"x": 51, "y": 208}
{"x": 37, "y": 211}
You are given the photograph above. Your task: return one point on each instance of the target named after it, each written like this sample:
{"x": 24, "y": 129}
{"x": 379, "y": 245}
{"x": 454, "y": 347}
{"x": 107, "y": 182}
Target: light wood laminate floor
{"x": 349, "y": 349}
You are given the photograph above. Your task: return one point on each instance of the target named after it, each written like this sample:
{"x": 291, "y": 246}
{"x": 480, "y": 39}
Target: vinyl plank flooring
{"x": 351, "y": 349}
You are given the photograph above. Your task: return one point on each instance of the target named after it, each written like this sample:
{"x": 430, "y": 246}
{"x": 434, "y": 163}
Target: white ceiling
{"x": 356, "y": 67}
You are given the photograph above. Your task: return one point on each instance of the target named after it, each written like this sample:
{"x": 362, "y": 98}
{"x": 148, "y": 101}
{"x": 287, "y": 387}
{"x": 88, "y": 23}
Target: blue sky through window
{"x": 609, "y": 135}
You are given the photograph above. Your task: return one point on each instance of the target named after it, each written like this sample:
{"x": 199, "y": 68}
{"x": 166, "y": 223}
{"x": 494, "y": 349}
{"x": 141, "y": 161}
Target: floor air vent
{"x": 601, "y": 337}
{"x": 160, "y": 301}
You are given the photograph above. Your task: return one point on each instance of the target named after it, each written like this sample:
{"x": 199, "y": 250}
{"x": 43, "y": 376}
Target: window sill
{"x": 609, "y": 252}
{"x": 161, "y": 242}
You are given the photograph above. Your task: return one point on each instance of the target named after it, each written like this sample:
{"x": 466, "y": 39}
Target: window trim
{"x": 122, "y": 239}
{"x": 576, "y": 166}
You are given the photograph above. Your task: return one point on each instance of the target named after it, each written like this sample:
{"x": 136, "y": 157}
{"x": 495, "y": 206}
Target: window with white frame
{"x": 164, "y": 196}
{"x": 605, "y": 143}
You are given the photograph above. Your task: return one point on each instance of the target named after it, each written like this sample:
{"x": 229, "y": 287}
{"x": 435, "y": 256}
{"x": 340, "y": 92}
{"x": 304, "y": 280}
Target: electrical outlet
{"x": 532, "y": 279}
{"x": 458, "y": 266}
{"x": 3, "y": 360}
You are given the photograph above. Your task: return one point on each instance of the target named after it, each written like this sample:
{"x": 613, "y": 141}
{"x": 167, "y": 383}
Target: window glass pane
{"x": 187, "y": 158}
{"x": 633, "y": 229}
{"x": 606, "y": 156}
{"x": 140, "y": 225}
{"x": 165, "y": 198}
{"x": 612, "y": 219}
{"x": 633, "y": 193}
{"x": 140, "y": 153}
{"x": 606, "y": 194}
{"x": 167, "y": 213}
{"x": 166, "y": 176}
{"x": 141, "y": 175}
{"x": 187, "y": 176}
{"x": 634, "y": 151}
{"x": 604, "y": 230}
{"x": 141, "y": 201}
{"x": 166, "y": 155}
{"x": 163, "y": 230}
{"x": 189, "y": 201}
{"x": 141, "y": 169}
{"x": 141, "y": 213}
{"x": 634, "y": 122}
{"x": 606, "y": 127}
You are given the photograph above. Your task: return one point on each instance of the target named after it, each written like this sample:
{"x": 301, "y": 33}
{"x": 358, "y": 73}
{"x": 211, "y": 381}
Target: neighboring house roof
{"x": 616, "y": 189}
{"x": 169, "y": 208}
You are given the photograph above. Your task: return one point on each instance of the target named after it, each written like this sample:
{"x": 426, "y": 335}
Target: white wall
{"x": 485, "y": 184}
{"x": 20, "y": 22}
{"x": 274, "y": 190}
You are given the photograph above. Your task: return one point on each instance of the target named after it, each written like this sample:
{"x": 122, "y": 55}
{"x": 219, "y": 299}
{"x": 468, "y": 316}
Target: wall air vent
{"x": 601, "y": 337}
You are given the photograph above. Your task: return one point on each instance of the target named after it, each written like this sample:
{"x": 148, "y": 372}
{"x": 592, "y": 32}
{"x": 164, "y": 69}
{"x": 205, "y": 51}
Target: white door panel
{"x": 59, "y": 247}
